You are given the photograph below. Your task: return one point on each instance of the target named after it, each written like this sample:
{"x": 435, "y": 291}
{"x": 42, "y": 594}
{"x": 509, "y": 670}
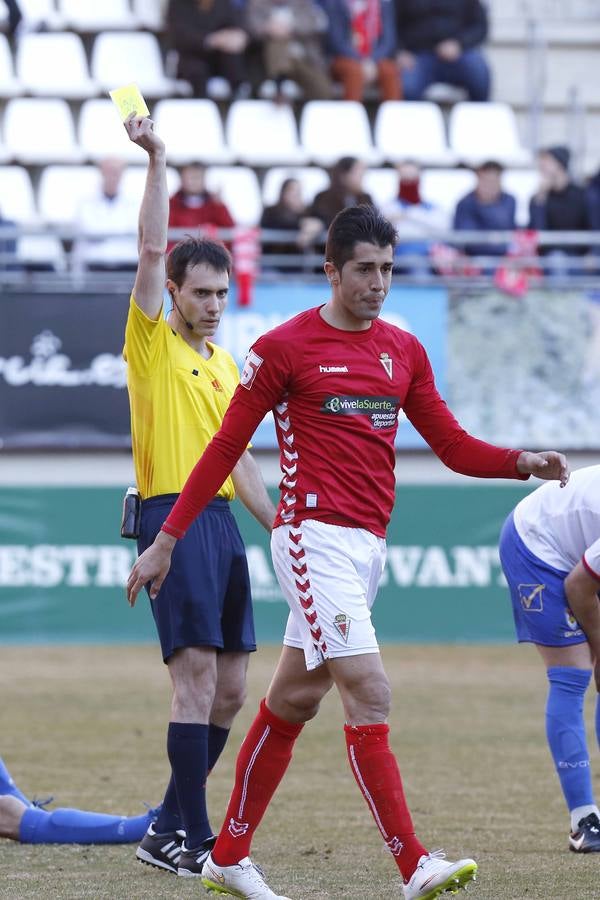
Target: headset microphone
{"x": 188, "y": 324}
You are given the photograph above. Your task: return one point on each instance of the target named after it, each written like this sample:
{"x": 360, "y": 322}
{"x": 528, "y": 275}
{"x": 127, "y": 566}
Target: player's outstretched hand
{"x": 152, "y": 566}
{"x": 549, "y": 465}
{"x": 141, "y": 131}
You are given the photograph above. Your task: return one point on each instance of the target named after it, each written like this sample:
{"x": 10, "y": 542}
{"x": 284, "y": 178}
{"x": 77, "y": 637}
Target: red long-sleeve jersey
{"x": 335, "y": 397}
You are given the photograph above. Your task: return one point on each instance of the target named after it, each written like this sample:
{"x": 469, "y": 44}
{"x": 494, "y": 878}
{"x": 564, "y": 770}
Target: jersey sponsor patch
{"x": 252, "y": 364}
{"x": 382, "y": 411}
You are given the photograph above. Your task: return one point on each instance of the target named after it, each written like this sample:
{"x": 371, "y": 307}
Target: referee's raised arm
{"x": 153, "y": 219}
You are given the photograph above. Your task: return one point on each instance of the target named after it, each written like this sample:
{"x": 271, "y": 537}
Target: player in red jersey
{"x": 336, "y": 378}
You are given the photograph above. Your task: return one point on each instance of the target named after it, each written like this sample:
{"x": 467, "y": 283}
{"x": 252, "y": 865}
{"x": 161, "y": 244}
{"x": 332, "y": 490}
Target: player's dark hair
{"x": 357, "y": 225}
{"x": 192, "y": 252}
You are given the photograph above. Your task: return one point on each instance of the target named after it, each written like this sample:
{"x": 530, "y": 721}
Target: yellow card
{"x": 128, "y": 99}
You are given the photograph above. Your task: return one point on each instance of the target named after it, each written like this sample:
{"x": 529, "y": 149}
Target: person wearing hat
{"x": 560, "y": 204}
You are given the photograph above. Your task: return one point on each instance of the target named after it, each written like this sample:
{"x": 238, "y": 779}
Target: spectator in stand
{"x": 487, "y": 208}
{"x": 107, "y": 224}
{"x": 438, "y": 41}
{"x": 289, "y": 34}
{"x": 593, "y": 198}
{"x": 210, "y": 41}
{"x": 416, "y": 220}
{"x": 345, "y": 189}
{"x": 289, "y": 214}
{"x": 361, "y": 41}
{"x": 560, "y": 204}
{"x": 193, "y": 206}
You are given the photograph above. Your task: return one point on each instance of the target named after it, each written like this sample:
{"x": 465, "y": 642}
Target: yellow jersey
{"x": 177, "y": 401}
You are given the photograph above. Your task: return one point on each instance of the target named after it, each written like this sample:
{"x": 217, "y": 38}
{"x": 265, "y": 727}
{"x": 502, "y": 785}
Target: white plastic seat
{"x": 150, "y": 13}
{"x": 522, "y": 184}
{"x": 122, "y": 57}
{"x": 192, "y": 131}
{"x": 102, "y": 134}
{"x": 38, "y": 13}
{"x": 412, "y": 131}
{"x": 54, "y": 65}
{"x": 42, "y": 250}
{"x": 312, "y": 180}
{"x": 60, "y": 191}
{"x": 381, "y": 184}
{"x": 330, "y": 129}
{"x": 239, "y": 190}
{"x": 445, "y": 187}
{"x": 262, "y": 133}
{"x": 486, "y": 131}
{"x": 9, "y": 85}
{"x": 91, "y": 15}
{"x": 134, "y": 181}
{"x": 40, "y": 131}
{"x": 16, "y": 195}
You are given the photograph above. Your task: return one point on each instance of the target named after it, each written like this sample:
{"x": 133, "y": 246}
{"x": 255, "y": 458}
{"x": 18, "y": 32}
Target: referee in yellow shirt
{"x": 179, "y": 387}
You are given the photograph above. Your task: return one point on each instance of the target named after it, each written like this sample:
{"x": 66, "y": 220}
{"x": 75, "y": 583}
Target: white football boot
{"x": 241, "y": 880}
{"x": 434, "y": 876}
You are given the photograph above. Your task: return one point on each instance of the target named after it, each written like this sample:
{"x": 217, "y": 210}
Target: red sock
{"x": 261, "y": 764}
{"x": 377, "y": 774}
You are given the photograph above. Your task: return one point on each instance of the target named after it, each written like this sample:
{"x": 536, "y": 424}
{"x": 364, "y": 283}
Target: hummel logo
{"x": 334, "y": 369}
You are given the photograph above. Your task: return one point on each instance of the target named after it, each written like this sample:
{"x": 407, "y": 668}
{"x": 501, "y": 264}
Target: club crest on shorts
{"x": 342, "y": 624}
{"x": 386, "y": 362}
{"x": 532, "y": 597}
{"x": 571, "y": 620}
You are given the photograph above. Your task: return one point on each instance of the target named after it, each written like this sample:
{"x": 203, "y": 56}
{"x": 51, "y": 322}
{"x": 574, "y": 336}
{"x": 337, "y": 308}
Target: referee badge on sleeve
{"x": 532, "y": 597}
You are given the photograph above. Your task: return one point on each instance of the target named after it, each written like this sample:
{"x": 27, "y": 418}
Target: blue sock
{"x": 217, "y": 738}
{"x": 565, "y": 730}
{"x": 169, "y": 818}
{"x": 74, "y": 826}
{"x": 7, "y": 785}
{"x": 598, "y": 719}
{"x": 187, "y": 746}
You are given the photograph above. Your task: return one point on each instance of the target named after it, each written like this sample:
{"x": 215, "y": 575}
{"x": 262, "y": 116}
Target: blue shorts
{"x": 205, "y": 600}
{"x": 540, "y": 608}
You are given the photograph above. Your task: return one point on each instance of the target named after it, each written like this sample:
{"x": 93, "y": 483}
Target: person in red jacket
{"x": 336, "y": 378}
{"x": 193, "y": 206}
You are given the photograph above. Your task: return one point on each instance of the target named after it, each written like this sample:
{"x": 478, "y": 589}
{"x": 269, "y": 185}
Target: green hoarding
{"x": 63, "y": 567}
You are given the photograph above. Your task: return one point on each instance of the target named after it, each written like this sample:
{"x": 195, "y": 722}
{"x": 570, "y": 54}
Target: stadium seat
{"x": 101, "y": 134}
{"x": 9, "y": 85}
{"x": 445, "y": 187}
{"x": 150, "y": 14}
{"x": 192, "y": 131}
{"x": 91, "y": 15}
{"x": 330, "y": 129}
{"x": 238, "y": 188}
{"x": 16, "y": 195}
{"x": 61, "y": 189}
{"x": 122, "y": 57}
{"x": 412, "y": 131}
{"x": 42, "y": 251}
{"x": 54, "y": 65}
{"x": 382, "y": 185}
{"x": 522, "y": 184}
{"x": 262, "y": 133}
{"x": 41, "y": 14}
{"x": 312, "y": 180}
{"x": 39, "y": 131}
{"x": 486, "y": 131}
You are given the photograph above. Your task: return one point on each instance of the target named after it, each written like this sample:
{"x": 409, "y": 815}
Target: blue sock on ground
{"x": 7, "y": 785}
{"x": 169, "y": 818}
{"x": 565, "y": 730}
{"x": 75, "y": 826}
{"x": 187, "y": 746}
{"x": 217, "y": 738}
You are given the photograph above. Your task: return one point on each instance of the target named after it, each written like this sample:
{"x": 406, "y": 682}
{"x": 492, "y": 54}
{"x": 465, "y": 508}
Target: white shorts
{"x": 329, "y": 576}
